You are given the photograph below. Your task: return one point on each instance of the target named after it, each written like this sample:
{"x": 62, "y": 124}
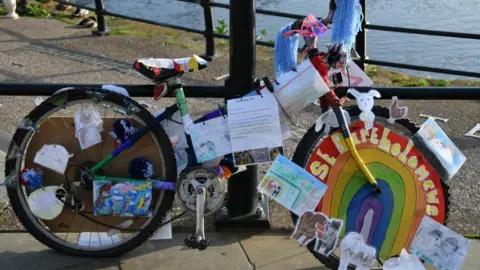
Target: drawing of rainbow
{"x": 411, "y": 188}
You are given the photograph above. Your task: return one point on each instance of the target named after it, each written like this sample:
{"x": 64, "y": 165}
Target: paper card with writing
{"x": 211, "y": 139}
{"x": 357, "y": 76}
{"x": 434, "y": 138}
{"x": 439, "y": 246}
{"x": 255, "y": 131}
{"x": 54, "y": 157}
{"x": 292, "y": 186}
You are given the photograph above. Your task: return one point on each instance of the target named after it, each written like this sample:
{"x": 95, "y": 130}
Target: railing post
{"x": 102, "y": 29}
{"x": 361, "y": 39}
{"x": 22, "y": 6}
{"x": 242, "y": 209}
{"x": 209, "y": 40}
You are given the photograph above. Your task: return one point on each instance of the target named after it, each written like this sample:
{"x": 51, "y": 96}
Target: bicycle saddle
{"x": 162, "y": 69}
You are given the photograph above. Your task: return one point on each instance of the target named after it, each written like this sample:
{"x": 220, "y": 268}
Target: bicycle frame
{"x": 162, "y": 184}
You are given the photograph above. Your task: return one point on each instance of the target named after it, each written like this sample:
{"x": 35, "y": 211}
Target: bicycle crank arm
{"x": 198, "y": 241}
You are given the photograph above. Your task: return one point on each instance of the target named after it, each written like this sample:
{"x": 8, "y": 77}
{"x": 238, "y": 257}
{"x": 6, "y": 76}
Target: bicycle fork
{"x": 342, "y": 122}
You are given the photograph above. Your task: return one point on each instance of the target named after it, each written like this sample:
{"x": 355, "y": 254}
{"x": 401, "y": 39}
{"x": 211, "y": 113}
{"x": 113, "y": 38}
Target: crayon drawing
{"x": 291, "y": 186}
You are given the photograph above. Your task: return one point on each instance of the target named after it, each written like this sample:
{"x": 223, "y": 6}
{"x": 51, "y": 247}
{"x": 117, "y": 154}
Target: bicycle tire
{"x": 169, "y": 173}
{"x": 312, "y": 138}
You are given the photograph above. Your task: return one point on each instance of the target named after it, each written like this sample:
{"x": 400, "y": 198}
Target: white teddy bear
{"x": 365, "y": 103}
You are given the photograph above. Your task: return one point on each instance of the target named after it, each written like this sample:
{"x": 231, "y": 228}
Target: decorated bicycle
{"x": 364, "y": 184}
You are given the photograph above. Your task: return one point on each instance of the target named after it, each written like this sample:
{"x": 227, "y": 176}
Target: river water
{"x": 446, "y": 15}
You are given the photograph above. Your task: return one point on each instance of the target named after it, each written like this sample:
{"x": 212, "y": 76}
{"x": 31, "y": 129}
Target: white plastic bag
{"x": 299, "y": 88}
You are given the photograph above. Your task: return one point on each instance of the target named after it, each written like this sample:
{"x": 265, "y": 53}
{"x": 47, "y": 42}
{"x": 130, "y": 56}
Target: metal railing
{"x": 361, "y": 47}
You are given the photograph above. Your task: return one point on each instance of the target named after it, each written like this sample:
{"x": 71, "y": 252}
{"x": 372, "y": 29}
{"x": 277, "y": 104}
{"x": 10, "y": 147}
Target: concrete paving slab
{"x": 269, "y": 251}
{"x": 27, "y": 253}
{"x": 227, "y": 251}
{"x": 224, "y": 252}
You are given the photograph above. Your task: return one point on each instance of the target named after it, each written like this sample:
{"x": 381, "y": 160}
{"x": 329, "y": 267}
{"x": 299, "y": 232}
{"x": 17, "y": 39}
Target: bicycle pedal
{"x": 192, "y": 242}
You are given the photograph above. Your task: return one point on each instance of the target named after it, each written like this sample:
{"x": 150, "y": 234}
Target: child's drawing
{"x": 439, "y": 245}
{"x": 292, "y": 186}
{"x": 356, "y": 252}
{"x": 438, "y": 142}
{"x": 211, "y": 139}
{"x": 124, "y": 199}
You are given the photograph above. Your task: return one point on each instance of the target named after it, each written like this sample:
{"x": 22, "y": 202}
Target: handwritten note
{"x": 255, "y": 132}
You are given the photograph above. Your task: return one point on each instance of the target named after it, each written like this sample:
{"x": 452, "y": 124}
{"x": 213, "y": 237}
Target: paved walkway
{"x": 228, "y": 251}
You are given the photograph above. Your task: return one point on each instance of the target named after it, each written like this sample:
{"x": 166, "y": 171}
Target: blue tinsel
{"x": 285, "y": 57}
{"x": 347, "y": 22}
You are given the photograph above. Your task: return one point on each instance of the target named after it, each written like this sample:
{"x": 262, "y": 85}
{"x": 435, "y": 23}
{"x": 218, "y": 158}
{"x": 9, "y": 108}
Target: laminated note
{"x": 255, "y": 131}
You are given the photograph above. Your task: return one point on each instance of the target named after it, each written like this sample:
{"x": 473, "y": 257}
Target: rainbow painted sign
{"x": 411, "y": 188}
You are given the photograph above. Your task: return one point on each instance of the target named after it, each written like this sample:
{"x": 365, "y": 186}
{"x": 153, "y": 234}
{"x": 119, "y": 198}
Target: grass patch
{"x": 410, "y": 83}
{"x": 3, "y": 10}
{"x": 371, "y": 71}
{"x": 421, "y": 82}
{"x": 65, "y": 18}
{"x": 442, "y": 83}
{"x": 2, "y": 218}
{"x": 472, "y": 236}
{"x": 34, "y": 10}
{"x": 396, "y": 79}
{"x": 424, "y": 83}
{"x": 128, "y": 31}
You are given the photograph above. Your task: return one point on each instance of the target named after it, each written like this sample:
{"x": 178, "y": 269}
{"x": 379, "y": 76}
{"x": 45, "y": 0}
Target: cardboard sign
{"x": 393, "y": 157}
